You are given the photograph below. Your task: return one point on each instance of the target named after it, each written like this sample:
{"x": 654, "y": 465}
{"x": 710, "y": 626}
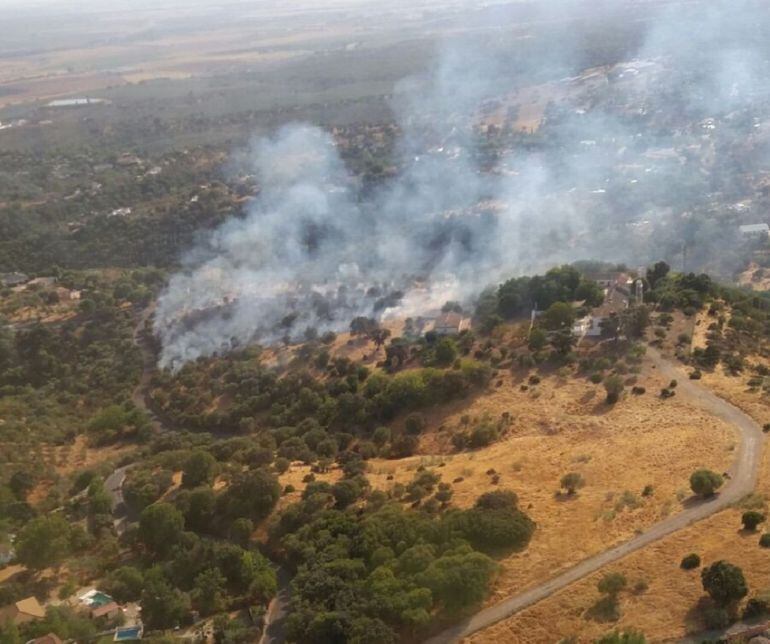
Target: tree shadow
{"x": 605, "y": 610}
{"x": 564, "y": 497}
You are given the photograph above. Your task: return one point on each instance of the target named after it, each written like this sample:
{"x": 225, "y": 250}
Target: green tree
{"x": 537, "y": 339}
{"x": 571, "y": 482}
{"x": 445, "y": 352}
{"x": 160, "y": 527}
{"x": 251, "y": 495}
{"x": 613, "y": 385}
{"x": 43, "y": 542}
{"x": 705, "y": 482}
{"x": 125, "y": 584}
{"x": 459, "y": 579}
{"x": 724, "y": 582}
{"x": 208, "y": 594}
{"x": 558, "y": 317}
{"x": 198, "y": 469}
{"x": 752, "y": 519}
{"x": 612, "y": 583}
{"x": 163, "y": 606}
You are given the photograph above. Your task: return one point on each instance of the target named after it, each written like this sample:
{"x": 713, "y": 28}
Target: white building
{"x": 754, "y": 230}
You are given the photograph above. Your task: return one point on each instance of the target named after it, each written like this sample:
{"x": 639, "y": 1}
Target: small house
{"x": 451, "y": 324}
{"x": 51, "y": 638}
{"x": 754, "y": 231}
{"x": 107, "y": 611}
{"x": 23, "y": 611}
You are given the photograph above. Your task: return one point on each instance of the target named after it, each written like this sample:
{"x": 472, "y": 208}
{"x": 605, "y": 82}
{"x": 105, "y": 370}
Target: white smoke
{"x": 311, "y": 252}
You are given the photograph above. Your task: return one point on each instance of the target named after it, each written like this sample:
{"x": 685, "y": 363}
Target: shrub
{"x": 752, "y": 519}
{"x": 638, "y": 391}
{"x": 571, "y": 482}
{"x": 613, "y": 385}
{"x": 764, "y": 540}
{"x": 756, "y": 607}
{"x": 690, "y": 562}
{"x": 724, "y": 582}
{"x": 596, "y": 378}
{"x": 281, "y": 464}
{"x": 705, "y": 482}
{"x": 648, "y": 490}
{"x": 483, "y": 435}
{"x": 414, "y": 424}
{"x": 696, "y": 375}
{"x": 611, "y": 584}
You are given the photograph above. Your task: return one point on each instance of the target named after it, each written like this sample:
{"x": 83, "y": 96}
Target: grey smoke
{"x": 624, "y": 184}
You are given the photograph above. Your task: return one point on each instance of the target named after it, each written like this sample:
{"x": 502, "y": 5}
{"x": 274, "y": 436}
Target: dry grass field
{"x": 558, "y": 426}
{"x": 665, "y": 610}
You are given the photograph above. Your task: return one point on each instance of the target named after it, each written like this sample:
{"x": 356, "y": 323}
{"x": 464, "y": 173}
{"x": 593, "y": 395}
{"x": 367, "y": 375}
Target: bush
{"x": 611, "y": 584}
{"x": 281, "y": 464}
{"x": 483, "y": 435}
{"x": 638, "y": 391}
{"x": 690, "y": 562}
{"x": 724, "y": 582}
{"x": 756, "y": 607}
{"x": 752, "y": 519}
{"x": 613, "y": 385}
{"x": 414, "y": 424}
{"x": 596, "y": 378}
{"x": 696, "y": 375}
{"x": 705, "y": 482}
{"x": 571, "y": 482}
{"x": 764, "y": 540}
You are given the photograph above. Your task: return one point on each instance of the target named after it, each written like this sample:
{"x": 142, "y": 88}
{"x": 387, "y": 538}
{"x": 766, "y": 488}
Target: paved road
{"x": 743, "y": 477}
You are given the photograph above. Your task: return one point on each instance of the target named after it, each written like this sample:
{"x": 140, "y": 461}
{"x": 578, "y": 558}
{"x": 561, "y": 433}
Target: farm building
{"x": 754, "y": 230}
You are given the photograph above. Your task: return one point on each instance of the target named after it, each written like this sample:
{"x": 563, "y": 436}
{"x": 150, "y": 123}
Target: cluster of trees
{"x": 60, "y": 378}
{"x": 306, "y": 417}
{"x": 520, "y": 295}
{"x": 368, "y": 570}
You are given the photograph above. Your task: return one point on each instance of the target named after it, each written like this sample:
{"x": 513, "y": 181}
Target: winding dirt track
{"x": 743, "y": 477}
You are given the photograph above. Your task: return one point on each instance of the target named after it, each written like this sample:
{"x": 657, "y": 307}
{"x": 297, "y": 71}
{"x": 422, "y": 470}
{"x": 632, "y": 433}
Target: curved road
{"x": 743, "y": 477}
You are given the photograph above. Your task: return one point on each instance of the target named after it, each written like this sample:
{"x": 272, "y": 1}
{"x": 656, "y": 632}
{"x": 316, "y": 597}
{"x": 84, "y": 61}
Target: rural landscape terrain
{"x": 335, "y": 321}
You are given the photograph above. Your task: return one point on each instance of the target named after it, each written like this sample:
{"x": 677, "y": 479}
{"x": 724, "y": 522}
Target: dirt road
{"x": 274, "y": 631}
{"x": 743, "y": 476}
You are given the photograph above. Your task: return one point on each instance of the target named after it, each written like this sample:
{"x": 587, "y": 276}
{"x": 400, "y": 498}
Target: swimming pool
{"x": 128, "y": 633}
{"x": 99, "y": 599}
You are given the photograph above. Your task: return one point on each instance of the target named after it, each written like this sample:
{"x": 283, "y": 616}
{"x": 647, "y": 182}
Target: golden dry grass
{"x": 664, "y": 610}
{"x": 559, "y": 426}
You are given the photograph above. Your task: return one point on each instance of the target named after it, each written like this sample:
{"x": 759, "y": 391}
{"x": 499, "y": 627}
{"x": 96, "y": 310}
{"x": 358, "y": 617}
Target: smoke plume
{"x": 626, "y": 164}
